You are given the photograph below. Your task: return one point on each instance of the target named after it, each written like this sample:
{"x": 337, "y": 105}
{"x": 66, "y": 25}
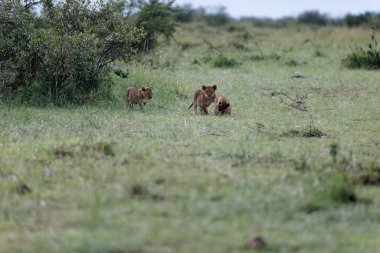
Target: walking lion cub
{"x": 204, "y": 98}
{"x": 138, "y": 96}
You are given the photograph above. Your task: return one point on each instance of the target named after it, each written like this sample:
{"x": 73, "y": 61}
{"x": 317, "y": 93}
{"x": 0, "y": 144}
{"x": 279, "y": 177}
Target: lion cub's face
{"x": 222, "y": 106}
{"x": 148, "y": 91}
{"x": 209, "y": 90}
{"x": 222, "y": 102}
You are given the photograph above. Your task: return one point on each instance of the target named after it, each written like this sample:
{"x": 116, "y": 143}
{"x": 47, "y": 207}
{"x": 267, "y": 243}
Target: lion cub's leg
{"x": 141, "y": 104}
{"x": 194, "y": 106}
{"x": 204, "y": 109}
{"x": 128, "y": 103}
{"x": 216, "y": 111}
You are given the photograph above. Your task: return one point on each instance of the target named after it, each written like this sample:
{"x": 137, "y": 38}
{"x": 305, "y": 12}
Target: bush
{"x": 364, "y": 58}
{"x": 367, "y": 18}
{"x": 65, "y": 54}
{"x": 222, "y": 61}
{"x": 313, "y": 18}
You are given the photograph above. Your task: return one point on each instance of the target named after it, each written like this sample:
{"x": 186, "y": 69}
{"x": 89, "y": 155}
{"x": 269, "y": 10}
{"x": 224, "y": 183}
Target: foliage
{"x": 313, "y": 18}
{"x": 222, "y": 61}
{"x": 366, "y": 58}
{"x": 368, "y": 18}
{"x": 67, "y": 57}
{"x": 224, "y": 179}
{"x": 155, "y": 18}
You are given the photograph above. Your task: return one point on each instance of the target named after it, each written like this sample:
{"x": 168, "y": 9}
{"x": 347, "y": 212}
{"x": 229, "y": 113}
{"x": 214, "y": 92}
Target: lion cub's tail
{"x": 190, "y": 106}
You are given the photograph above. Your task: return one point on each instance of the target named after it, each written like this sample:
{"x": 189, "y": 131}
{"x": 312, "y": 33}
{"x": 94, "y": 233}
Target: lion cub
{"x": 204, "y": 98}
{"x": 222, "y": 106}
{"x": 138, "y": 96}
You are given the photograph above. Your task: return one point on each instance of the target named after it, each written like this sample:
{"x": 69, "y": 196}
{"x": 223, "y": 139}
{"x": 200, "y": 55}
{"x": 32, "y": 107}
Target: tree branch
{"x": 296, "y": 103}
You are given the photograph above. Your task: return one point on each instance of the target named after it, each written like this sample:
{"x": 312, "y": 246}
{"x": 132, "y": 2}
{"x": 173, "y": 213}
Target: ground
{"x": 101, "y": 178}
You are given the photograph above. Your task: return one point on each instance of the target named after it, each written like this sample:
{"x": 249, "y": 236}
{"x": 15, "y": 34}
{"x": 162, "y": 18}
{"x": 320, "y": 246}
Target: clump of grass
{"x": 22, "y": 188}
{"x": 364, "y": 58}
{"x": 83, "y": 149}
{"x": 369, "y": 175}
{"x": 335, "y": 191}
{"x": 302, "y": 133}
{"x": 239, "y": 46}
{"x": 187, "y": 45}
{"x": 141, "y": 192}
{"x": 294, "y": 63}
{"x": 245, "y": 35}
{"x": 222, "y": 61}
{"x": 318, "y": 53}
{"x": 122, "y": 73}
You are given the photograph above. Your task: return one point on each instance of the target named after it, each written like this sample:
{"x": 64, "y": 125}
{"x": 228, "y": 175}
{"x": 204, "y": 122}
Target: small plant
{"x": 222, "y": 61}
{"x": 365, "y": 58}
{"x": 334, "y": 149}
{"x": 318, "y": 53}
{"x": 240, "y": 46}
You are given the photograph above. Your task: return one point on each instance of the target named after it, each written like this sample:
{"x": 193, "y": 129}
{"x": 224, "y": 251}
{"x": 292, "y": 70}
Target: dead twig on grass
{"x": 299, "y": 104}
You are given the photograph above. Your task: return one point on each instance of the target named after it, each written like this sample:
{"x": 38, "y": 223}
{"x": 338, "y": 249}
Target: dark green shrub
{"x": 16, "y": 27}
{"x": 222, "y": 61}
{"x": 367, "y": 18}
{"x": 313, "y": 18}
{"x": 64, "y": 55}
{"x": 366, "y": 58}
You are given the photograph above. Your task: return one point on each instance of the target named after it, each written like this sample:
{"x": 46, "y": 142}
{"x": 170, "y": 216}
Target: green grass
{"x": 105, "y": 179}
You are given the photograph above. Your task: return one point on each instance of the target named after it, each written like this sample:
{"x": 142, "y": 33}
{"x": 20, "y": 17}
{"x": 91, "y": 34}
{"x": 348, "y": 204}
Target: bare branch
{"x": 296, "y": 103}
{"x": 31, "y": 4}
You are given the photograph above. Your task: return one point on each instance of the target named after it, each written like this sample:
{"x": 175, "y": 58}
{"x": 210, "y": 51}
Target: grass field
{"x": 104, "y": 179}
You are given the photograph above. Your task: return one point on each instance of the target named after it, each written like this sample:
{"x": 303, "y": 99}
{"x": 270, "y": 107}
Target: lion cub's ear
{"x": 214, "y": 87}
{"x": 150, "y": 87}
{"x": 203, "y": 87}
{"x": 143, "y": 89}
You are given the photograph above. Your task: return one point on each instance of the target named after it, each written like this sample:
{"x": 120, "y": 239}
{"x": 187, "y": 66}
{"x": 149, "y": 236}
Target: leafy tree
{"x": 65, "y": 54}
{"x": 313, "y": 18}
{"x": 155, "y": 18}
{"x": 367, "y": 18}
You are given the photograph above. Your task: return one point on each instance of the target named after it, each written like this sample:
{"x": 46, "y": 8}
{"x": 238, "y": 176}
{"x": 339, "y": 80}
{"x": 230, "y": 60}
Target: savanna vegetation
{"x": 296, "y": 164}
